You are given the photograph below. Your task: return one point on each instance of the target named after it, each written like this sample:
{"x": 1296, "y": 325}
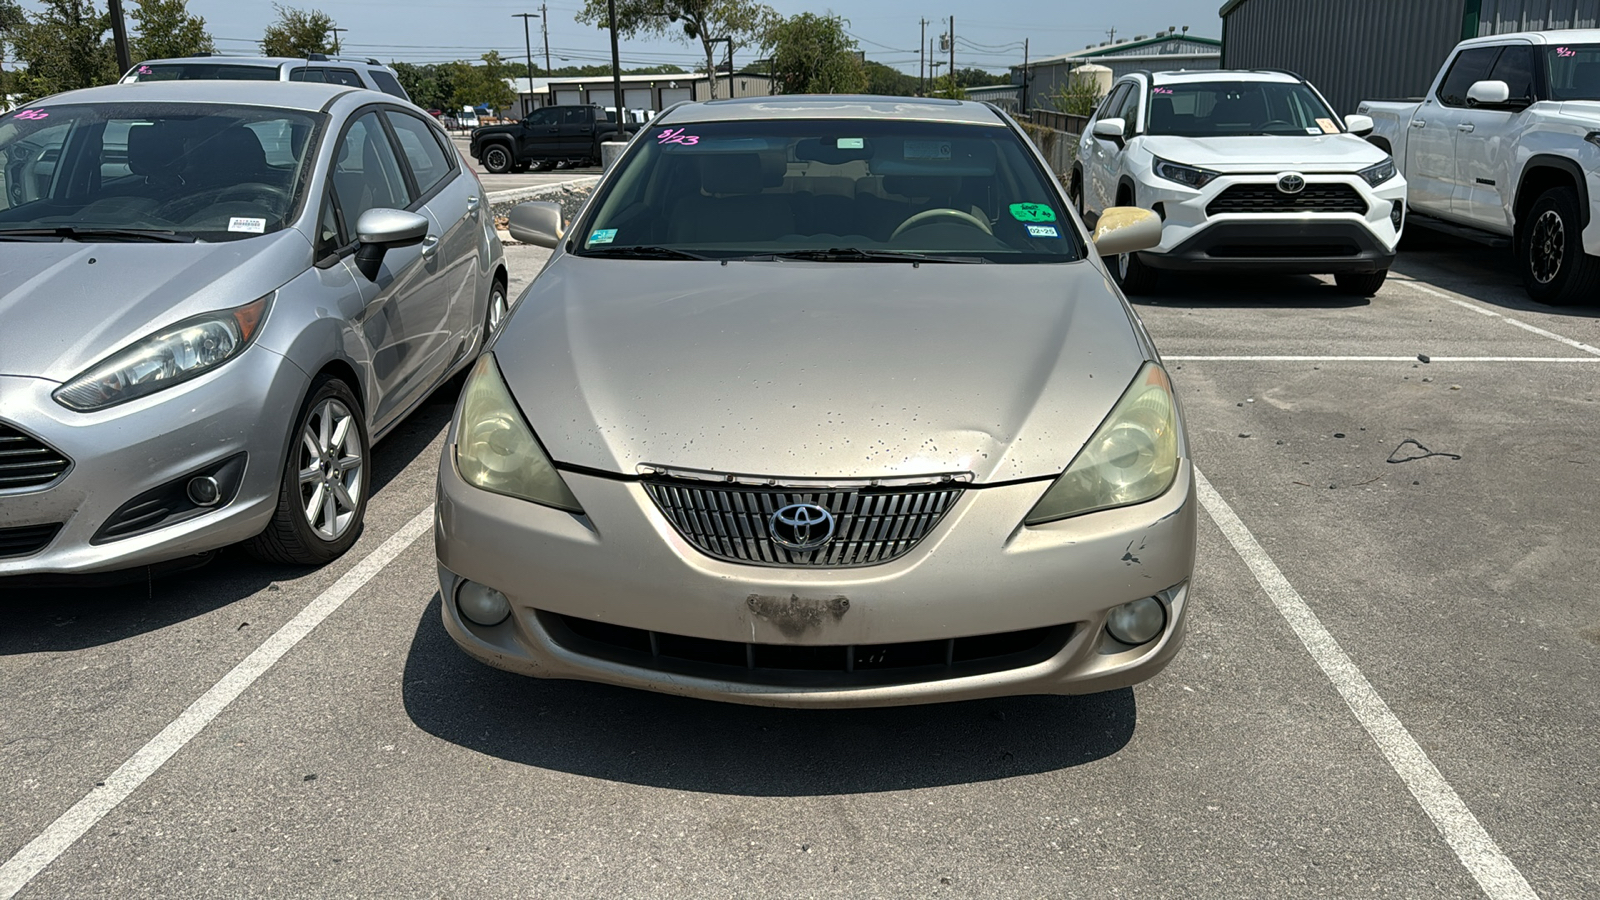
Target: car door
{"x": 1431, "y": 148}
{"x": 1099, "y": 168}
{"x": 1484, "y": 141}
{"x": 577, "y": 131}
{"x": 541, "y": 134}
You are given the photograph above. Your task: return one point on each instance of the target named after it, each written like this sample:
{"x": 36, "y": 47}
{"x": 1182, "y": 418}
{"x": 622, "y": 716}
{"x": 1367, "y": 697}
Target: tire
{"x": 313, "y": 464}
{"x": 498, "y": 308}
{"x": 497, "y": 159}
{"x": 1361, "y": 285}
{"x": 1133, "y": 275}
{"x": 1550, "y": 254}
{"x": 1075, "y": 193}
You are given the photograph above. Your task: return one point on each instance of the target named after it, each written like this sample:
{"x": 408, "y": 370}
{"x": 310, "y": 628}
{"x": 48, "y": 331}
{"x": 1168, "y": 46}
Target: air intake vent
{"x": 27, "y": 462}
{"x": 27, "y": 540}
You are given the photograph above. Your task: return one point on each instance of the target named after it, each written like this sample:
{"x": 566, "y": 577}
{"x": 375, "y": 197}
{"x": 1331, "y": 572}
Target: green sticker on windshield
{"x": 1032, "y": 212}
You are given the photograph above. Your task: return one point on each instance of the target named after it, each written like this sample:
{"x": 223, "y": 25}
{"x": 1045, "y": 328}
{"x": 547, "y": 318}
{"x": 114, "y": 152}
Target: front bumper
{"x": 244, "y": 407}
{"x": 978, "y": 573}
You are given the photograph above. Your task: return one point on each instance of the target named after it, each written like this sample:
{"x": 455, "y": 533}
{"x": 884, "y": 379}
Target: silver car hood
{"x": 818, "y": 370}
{"x": 65, "y": 306}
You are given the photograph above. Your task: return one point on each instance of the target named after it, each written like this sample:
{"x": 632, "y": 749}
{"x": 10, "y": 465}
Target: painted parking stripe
{"x": 1493, "y": 870}
{"x": 75, "y": 822}
{"x": 1409, "y": 359}
{"x": 1493, "y": 314}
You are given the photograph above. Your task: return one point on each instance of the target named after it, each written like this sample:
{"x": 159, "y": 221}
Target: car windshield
{"x": 1223, "y": 108}
{"x": 203, "y": 171}
{"x": 202, "y": 71}
{"x": 1574, "y": 71}
{"x": 871, "y": 188}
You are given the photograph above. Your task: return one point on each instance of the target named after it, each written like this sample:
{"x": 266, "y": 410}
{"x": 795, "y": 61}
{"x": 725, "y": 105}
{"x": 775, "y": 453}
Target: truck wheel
{"x": 1361, "y": 285}
{"x": 497, "y": 159}
{"x": 1555, "y": 269}
{"x": 1134, "y": 276}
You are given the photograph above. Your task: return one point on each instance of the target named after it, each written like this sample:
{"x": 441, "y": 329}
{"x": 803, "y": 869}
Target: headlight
{"x": 1188, "y": 176}
{"x": 190, "y": 348}
{"x": 1378, "y": 174}
{"x": 496, "y": 450}
{"x": 1133, "y": 457}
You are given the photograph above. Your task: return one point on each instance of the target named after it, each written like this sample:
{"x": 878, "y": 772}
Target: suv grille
{"x": 27, "y": 462}
{"x": 732, "y": 522}
{"x": 25, "y": 541}
{"x": 1266, "y": 198}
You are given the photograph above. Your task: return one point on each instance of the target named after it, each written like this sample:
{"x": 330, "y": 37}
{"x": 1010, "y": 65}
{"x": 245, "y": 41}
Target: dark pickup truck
{"x": 554, "y": 134}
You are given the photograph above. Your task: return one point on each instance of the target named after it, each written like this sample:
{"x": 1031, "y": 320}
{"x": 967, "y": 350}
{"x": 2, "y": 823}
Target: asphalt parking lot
{"x": 1389, "y": 687}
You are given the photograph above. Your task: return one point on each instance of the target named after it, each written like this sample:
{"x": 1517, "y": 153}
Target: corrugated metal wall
{"x": 1503, "y": 16}
{"x": 1352, "y": 50}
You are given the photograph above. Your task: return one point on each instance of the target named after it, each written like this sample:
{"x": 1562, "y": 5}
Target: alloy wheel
{"x": 1547, "y": 246}
{"x": 332, "y": 463}
{"x": 497, "y": 310}
{"x": 496, "y": 159}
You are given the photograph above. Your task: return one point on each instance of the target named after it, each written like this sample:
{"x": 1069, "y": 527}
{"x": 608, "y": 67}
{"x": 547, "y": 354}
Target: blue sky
{"x": 436, "y": 30}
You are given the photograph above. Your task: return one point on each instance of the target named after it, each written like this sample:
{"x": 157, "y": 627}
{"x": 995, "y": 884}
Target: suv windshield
{"x": 1574, "y": 71}
{"x": 204, "y": 171}
{"x": 203, "y": 71}
{"x": 869, "y": 188}
{"x": 1221, "y": 108}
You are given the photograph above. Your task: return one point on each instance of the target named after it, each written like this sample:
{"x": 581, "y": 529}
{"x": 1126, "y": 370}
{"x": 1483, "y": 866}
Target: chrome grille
{"x": 27, "y": 462}
{"x": 1266, "y": 198}
{"x": 731, "y": 522}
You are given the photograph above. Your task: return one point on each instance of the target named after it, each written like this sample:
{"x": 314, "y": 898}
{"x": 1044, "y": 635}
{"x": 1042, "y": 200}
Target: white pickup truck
{"x": 1506, "y": 147}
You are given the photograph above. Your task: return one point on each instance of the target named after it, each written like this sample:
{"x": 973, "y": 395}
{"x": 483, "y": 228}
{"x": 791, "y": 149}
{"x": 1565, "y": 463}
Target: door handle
{"x": 1418, "y": 123}
{"x": 430, "y": 247}
{"x": 1465, "y": 126}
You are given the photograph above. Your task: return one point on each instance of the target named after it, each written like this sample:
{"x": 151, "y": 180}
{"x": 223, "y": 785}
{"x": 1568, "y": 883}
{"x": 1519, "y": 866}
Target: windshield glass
{"x": 210, "y": 172}
{"x": 751, "y": 188}
{"x": 1574, "y": 71}
{"x": 1220, "y": 108}
{"x": 206, "y": 71}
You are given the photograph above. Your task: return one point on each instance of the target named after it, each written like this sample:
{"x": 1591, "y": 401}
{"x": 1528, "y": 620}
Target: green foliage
{"x": 483, "y": 85}
{"x": 949, "y": 89}
{"x": 811, "y": 54}
{"x": 66, "y": 46}
{"x": 882, "y": 79}
{"x": 298, "y": 32}
{"x": 167, "y": 30}
{"x": 744, "y": 22}
{"x": 980, "y": 78}
{"x": 430, "y": 86}
{"x": 1078, "y": 97}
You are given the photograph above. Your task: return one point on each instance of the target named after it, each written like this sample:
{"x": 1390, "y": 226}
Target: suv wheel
{"x": 1361, "y": 285}
{"x": 1133, "y": 275}
{"x": 1555, "y": 269}
{"x": 322, "y": 496}
{"x": 497, "y": 159}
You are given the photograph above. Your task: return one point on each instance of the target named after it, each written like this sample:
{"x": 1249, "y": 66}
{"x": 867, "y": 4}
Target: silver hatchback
{"x": 218, "y": 295}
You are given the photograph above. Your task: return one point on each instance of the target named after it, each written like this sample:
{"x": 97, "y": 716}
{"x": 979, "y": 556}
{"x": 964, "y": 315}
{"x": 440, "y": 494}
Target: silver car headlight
{"x": 1133, "y": 457}
{"x": 168, "y": 357}
{"x": 1188, "y": 176}
{"x": 1378, "y": 174}
{"x": 496, "y": 450}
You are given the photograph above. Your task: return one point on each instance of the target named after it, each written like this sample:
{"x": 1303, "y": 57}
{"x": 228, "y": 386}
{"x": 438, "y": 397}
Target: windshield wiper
{"x": 75, "y": 233}
{"x": 856, "y": 254}
{"x": 642, "y": 253}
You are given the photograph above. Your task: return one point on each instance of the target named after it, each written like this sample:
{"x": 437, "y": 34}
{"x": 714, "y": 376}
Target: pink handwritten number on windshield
{"x": 1162, "y": 90}
{"x": 1566, "y": 51}
{"x": 677, "y": 137}
{"x": 145, "y": 70}
{"x": 33, "y": 114}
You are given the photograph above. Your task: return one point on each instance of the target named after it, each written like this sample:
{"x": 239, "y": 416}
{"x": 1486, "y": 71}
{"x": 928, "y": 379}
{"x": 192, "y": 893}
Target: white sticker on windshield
{"x": 251, "y": 226}
{"x": 927, "y": 149}
{"x": 852, "y": 143}
{"x": 1043, "y": 231}
{"x": 1315, "y": 131}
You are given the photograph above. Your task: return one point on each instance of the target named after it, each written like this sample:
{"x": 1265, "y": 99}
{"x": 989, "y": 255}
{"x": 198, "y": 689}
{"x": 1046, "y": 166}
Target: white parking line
{"x": 1494, "y": 872}
{"x": 75, "y": 822}
{"x": 1483, "y": 310}
{"x": 1410, "y": 359}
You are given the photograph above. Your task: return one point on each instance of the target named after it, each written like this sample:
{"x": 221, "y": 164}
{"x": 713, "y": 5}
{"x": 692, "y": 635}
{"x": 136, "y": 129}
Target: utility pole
{"x": 544, "y": 25}
{"x": 119, "y": 35}
{"x": 527, "y": 47}
{"x": 952, "y": 56}
{"x": 1024, "y": 109}
{"x": 922, "y": 61}
{"x": 616, "y": 59}
{"x": 335, "y": 29}
{"x": 1112, "y": 34}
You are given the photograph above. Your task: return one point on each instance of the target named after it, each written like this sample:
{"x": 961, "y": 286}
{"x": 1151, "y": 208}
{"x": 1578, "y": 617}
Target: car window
{"x": 1469, "y": 67}
{"x": 331, "y": 234}
{"x": 427, "y": 159}
{"x": 1515, "y": 68}
{"x": 388, "y": 84}
{"x": 1112, "y": 102}
{"x": 30, "y": 161}
{"x": 575, "y": 115}
{"x": 1573, "y": 71}
{"x": 346, "y": 77}
{"x": 1128, "y": 111}
{"x": 1223, "y": 108}
{"x": 366, "y": 172}
{"x": 307, "y": 73}
{"x": 201, "y": 72}
{"x": 543, "y": 117}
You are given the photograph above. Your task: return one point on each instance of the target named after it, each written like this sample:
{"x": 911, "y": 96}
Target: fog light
{"x": 482, "y": 605}
{"x": 1397, "y": 215}
{"x": 1137, "y": 622}
{"x": 203, "y": 490}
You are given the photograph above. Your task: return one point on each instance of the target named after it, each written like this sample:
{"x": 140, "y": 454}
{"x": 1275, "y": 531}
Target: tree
{"x": 811, "y": 54}
{"x": 167, "y": 30}
{"x": 743, "y": 22}
{"x": 298, "y": 32}
{"x": 12, "y": 23}
{"x": 882, "y": 79}
{"x": 65, "y": 48}
{"x": 1078, "y": 97}
{"x": 948, "y": 88}
{"x": 970, "y": 77}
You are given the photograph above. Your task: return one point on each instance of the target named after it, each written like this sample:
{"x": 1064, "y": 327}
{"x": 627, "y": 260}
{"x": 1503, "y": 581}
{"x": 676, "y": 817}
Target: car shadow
{"x": 644, "y": 738}
{"x": 1487, "y": 275}
{"x": 1208, "y": 290}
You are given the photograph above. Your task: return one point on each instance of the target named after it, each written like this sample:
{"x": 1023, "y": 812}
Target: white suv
{"x": 1247, "y": 170}
{"x": 353, "y": 72}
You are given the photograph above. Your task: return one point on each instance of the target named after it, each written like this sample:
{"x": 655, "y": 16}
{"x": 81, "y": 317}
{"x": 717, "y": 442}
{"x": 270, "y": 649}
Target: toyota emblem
{"x": 801, "y": 526}
{"x": 1291, "y": 183}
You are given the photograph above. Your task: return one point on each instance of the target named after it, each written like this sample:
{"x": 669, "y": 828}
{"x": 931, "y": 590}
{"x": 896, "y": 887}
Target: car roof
{"x": 1567, "y": 36}
{"x": 260, "y": 61}
{"x": 1189, "y": 77}
{"x": 302, "y": 95}
{"x": 832, "y": 106}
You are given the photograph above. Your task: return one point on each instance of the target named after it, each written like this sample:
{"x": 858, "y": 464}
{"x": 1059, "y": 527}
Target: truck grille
{"x": 1266, "y": 198}
{"x": 733, "y": 522}
{"x": 26, "y": 462}
{"x": 26, "y": 541}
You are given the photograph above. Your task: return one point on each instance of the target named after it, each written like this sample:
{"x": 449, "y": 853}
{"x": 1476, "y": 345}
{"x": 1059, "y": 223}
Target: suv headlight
{"x": 1378, "y": 174}
{"x": 496, "y": 450}
{"x": 172, "y": 356}
{"x": 1188, "y": 176}
{"x": 1133, "y": 456}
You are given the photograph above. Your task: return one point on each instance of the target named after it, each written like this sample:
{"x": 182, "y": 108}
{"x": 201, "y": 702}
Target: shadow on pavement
{"x": 1206, "y": 290}
{"x": 1487, "y": 275}
{"x": 638, "y": 737}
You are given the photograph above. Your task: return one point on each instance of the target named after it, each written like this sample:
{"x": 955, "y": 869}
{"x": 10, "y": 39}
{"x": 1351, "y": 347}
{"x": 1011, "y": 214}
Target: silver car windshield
{"x": 1225, "y": 108}
{"x": 194, "y": 171}
{"x": 1574, "y": 71}
{"x": 867, "y": 188}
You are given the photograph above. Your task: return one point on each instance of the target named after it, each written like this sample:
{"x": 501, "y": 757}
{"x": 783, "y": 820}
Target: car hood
{"x": 1268, "y": 153}
{"x": 67, "y": 305}
{"x": 818, "y": 370}
{"x": 1588, "y": 110}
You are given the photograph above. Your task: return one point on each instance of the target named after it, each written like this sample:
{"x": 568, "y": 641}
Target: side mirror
{"x": 1111, "y": 130}
{"x": 1360, "y": 126}
{"x": 1488, "y": 93}
{"x": 1126, "y": 229}
{"x": 380, "y": 229}
{"x": 537, "y": 223}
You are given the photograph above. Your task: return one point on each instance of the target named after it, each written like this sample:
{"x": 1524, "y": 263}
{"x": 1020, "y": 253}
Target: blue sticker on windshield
{"x": 603, "y": 236}
{"x": 1043, "y": 231}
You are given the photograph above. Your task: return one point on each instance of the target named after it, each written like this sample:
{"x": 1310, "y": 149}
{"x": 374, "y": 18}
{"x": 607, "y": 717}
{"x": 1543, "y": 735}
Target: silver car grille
{"x": 732, "y": 522}
{"x": 27, "y": 462}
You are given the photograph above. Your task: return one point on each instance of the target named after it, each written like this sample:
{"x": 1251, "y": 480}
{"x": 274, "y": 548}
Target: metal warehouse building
{"x": 1355, "y": 50}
